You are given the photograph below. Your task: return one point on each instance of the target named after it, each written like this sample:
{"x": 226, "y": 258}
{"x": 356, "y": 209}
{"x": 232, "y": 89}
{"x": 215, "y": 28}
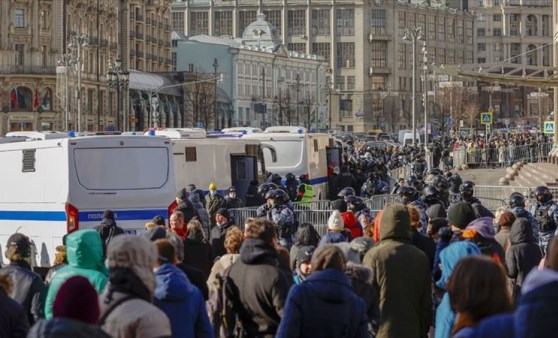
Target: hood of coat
{"x": 84, "y": 249}
{"x": 254, "y": 251}
{"x": 521, "y": 231}
{"x": 331, "y": 285}
{"x": 228, "y": 260}
{"x": 395, "y": 223}
{"x": 451, "y": 255}
{"x": 537, "y": 278}
{"x": 195, "y": 200}
{"x": 482, "y": 226}
{"x": 172, "y": 284}
{"x": 360, "y": 272}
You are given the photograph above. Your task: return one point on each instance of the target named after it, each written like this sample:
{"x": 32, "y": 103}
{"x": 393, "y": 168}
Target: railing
{"x": 509, "y": 155}
{"x": 17, "y": 69}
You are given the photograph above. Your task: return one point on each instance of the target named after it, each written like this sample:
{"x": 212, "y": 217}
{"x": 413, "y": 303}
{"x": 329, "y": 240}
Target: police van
{"x": 53, "y": 187}
{"x": 300, "y": 152}
{"x": 201, "y": 158}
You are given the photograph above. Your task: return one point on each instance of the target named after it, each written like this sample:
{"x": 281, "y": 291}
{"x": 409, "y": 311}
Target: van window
{"x": 121, "y": 168}
{"x": 289, "y": 153}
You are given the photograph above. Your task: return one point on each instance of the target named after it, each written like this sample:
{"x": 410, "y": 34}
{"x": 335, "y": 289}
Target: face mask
{"x": 212, "y": 192}
{"x": 232, "y": 194}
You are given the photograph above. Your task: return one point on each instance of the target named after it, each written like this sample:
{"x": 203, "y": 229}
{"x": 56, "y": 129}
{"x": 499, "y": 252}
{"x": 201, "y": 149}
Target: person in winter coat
{"x": 231, "y": 201}
{"x": 214, "y": 202}
{"x": 203, "y": 216}
{"x": 341, "y": 312}
{"x": 233, "y": 239}
{"x": 424, "y": 243}
{"x": 517, "y": 207}
{"x": 504, "y": 222}
{"x": 276, "y": 210}
{"x": 126, "y": 309}
{"x": 350, "y": 221}
{"x": 306, "y": 235}
{"x": 177, "y": 225}
{"x": 197, "y": 251}
{"x": 523, "y": 254}
{"x": 253, "y": 198}
{"x": 450, "y": 256}
{"x": 224, "y": 222}
{"x": 75, "y": 312}
{"x": 181, "y": 301}
{"x": 28, "y": 288}
{"x": 85, "y": 258}
{"x": 303, "y": 265}
{"x": 185, "y": 206}
{"x": 405, "y": 308}
{"x": 108, "y": 228}
{"x": 477, "y": 289}
{"x": 13, "y": 319}
{"x": 336, "y": 232}
{"x": 481, "y": 232}
{"x": 262, "y": 285}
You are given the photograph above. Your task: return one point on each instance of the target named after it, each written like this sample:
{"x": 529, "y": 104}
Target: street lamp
{"x": 263, "y": 96}
{"x": 78, "y": 43}
{"x": 413, "y": 34}
{"x": 425, "y": 68}
{"x": 330, "y": 85}
{"x": 297, "y": 79}
{"x": 275, "y": 109}
{"x": 118, "y": 80}
{"x": 215, "y": 67}
{"x": 64, "y": 63}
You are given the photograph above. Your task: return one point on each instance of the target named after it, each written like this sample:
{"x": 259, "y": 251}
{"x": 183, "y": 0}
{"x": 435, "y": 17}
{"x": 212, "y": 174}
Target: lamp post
{"x": 297, "y": 79}
{"x": 263, "y": 96}
{"x": 413, "y": 34}
{"x": 215, "y": 67}
{"x": 118, "y": 80}
{"x": 78, "y": 43}
{"x": 425, "y": 68}
{"x": 275, "y": 109}
{"x": 329, "y": 83}
{"x": 64, "y": 63}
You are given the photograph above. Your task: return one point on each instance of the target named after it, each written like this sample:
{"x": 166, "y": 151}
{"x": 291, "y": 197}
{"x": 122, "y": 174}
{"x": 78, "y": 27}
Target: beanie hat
{"x": 461, "y": 214}
{"x": 212, "y": 186}
{"x": 335, "y": 221}
{"x": 109, "y": 214}
{"x": 159, "y": 220}
{"x": 506, "y": 219}
{"x": 304, "y": 254}
{"x": 223, "y": 212}
{"x": 155, "y": 233}
{"x": 350, "y": 254}
{"x": 328, "y": 256}
{"x": 77, "y": 299}
{"x": 135, "y": 253}
{"x": 436, "y": 211}
{"x": 362, "y": 245}
{"x": 21, "y": 242}
{"x": 339, "y": 204}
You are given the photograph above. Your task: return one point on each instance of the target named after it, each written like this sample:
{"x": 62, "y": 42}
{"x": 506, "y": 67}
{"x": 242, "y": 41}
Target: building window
{"x": 442, "y": 29}
{"x": 297, "y": 22}
{"x": 546, "y": 55}
{"x": 178, "y": 22}
{"x": 340, "y": 82}
{"x": 481, "y": 47}
{"x": 531, "y": 25}
{"x": 244, "y": 19}
{"x": 432, "y": 27}
{"x": 402, "y": 56}
{"x": 460, "y": 32}
{"x": 515, "y": 51}
{"x": 514, "y": 24}
{"x": 497, "y": 32}
{"x": 320, "y": 22}
{"x": 378, "y": 54}
{"x": 481, "y": 60}
{"x": 481, "y": 32}
{"x": 497, "y": 17}
{"x": 322, "y": 49}
{"x": 532, "y": 55}
{"x": 481, "y": 17}
{"x": 350, "y": 83}
{"x": 20, "y": 18}
{"x": 199, "y": 23}
{"x": 274, "y": 18}
{"x": 345, "y": 22}
{"x": 345, "y": 55}
{"x": 297, "y": 47}
{"x": 378, "y": 21}
{"x": 19, "y": 54}
{"x": 546, "y": 24}
{"x": 346, "y": 108}
{"x": 498, "y": 47}
{"x": 223, "y": 24}
{"x": 378, "y": 83}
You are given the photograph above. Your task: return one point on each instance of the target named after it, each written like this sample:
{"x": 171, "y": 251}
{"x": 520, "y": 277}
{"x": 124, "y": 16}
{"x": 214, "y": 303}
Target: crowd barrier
{"x": 511, "y": 154}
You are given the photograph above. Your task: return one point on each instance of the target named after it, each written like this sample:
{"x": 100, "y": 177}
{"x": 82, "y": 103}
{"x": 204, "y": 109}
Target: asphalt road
{"x": 483, "y": 176}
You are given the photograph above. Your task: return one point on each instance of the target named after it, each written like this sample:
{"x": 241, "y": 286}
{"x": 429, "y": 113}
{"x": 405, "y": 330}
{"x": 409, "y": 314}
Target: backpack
{"x": 223, "y": 307}
{"x": 546, "y": 223}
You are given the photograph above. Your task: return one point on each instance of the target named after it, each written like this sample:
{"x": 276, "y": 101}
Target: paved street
{"x": 483, "y": 176}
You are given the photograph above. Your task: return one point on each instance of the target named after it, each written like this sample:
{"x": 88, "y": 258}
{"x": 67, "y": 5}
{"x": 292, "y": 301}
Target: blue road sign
{"x": 549, "y": 127}
{"x": 486, "y": 118}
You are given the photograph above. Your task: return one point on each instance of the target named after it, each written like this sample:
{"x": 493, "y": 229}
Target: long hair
{"x": 306, "y": 235}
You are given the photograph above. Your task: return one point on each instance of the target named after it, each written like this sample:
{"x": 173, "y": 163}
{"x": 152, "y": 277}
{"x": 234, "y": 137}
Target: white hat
{"x": 335, "y": 221}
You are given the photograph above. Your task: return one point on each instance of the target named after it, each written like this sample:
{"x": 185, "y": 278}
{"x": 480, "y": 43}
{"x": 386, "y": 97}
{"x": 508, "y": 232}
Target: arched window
{"x": 532, "y": 25}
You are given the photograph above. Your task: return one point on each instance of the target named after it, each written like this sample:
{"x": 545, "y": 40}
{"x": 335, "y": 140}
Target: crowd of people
{"x": 436, "y": 264}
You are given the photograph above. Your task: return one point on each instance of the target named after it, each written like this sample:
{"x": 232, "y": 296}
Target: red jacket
{"x": 352, "y": 224}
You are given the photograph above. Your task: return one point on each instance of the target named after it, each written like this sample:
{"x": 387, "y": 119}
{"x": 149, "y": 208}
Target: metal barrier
{"x": 378, "y": 202}
{"x": 500, "y": 192}
{"x": 511, "y": 154}
{"x": 314, "y": 205}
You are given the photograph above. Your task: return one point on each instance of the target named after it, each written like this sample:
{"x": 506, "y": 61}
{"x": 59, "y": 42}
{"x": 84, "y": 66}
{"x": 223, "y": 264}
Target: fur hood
{"x": 360, "y": 272}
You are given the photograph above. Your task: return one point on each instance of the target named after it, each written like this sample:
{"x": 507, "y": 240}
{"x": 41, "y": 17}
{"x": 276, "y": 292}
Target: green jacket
{"x": 84, "y": 250}
{"x": 402, "y": 277}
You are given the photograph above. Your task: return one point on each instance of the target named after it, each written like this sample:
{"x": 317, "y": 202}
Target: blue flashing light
{"x": 71, "y": 133}
{"x": 300, "y": 131}
{"x": 151, "y": 132}
{"x": 244, "y": 132}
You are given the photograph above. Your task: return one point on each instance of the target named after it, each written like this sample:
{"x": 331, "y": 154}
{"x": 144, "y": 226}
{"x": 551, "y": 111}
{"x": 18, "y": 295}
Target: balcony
{"x": 139, "y": 17}
{"x": 139, "y": 35}
{"x": 139, "y": 54}
{"x": 17, "y": 69}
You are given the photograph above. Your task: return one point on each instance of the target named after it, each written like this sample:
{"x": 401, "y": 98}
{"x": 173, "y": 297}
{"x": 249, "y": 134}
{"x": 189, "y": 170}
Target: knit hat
{"x": 436, "y": 211}
{"x": 223, "y": 212}
{"x": 159, "y": 220}
{"x": 339, "y": 204}
{"x": 461, "y": 214}
{"x": 362, "y": 245}
{"x": 506, "y": 219}
{"x": 335, "y": 221}
{"x": 109, "y": 214}
{"x": 77, "y": 299}
{"x": 136, "y": 253}
{"x": 155, "y": 233}
{"x": 304, "y": 254}
{"x": 21, "y": 242}
{"x": 328, "y": 256}
{"x": 351, "y": 255}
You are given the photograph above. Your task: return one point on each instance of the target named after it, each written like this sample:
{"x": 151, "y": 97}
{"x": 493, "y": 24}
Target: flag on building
{"x": 45, "y": 101}
{"x": 15, "y": 98}
{"x": 36, "y": 99}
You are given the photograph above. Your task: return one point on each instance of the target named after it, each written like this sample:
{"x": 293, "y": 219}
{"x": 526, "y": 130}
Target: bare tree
{"x": 471, "y": 111}
{"x": 308, "y": 110}
{"x": 200, "y": 99}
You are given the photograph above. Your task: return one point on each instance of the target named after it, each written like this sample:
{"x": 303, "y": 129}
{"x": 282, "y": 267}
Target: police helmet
{"x": 276, "y": 178}
{"x": 430, "y": 191}
{"x": 265, "y": 187}
{"x": 517, "y": 200}
{"x": 434, "y": 171}
{"x": 356, "y": 201}
{"x": 290, "y": 177}
{"x": 542, "y": 194}
{"x": 440, "y": 182}
{"x": 467, "y": 188}
{"x": 408, "y": 194}
{"x": 279, "y": 195}
{"x": 347, "y": 191}
{"x": 412, "y": 181}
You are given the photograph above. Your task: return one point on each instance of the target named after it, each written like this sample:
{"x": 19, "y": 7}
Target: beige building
{"x": 370, "y": 65}
{"x": 35, "y": 34}
{"x": 514, "y": 31}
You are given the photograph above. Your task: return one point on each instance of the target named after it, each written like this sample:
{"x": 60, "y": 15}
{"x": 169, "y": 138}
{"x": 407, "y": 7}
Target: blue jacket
{"x": 182, "y": 303}
{"x": 341, "y": 313}
{"x": 332, "y": 237}
{"x": 449, "y": 257}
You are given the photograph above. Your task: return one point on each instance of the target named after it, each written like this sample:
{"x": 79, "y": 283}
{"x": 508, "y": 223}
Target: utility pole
{"x": 215, "y": 67}
{"x": 297, "y": 79}
{"x": 263, "y": 97}
{"x": 414, "y": 34}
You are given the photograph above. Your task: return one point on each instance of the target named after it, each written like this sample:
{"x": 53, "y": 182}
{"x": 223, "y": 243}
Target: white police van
{"x": 52, "y": 187}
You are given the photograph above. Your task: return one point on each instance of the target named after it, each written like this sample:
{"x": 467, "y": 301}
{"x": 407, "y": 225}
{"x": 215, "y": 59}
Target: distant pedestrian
{"x": 504, "y": 222}
{"x": 303, "y": 266}
{"x": 306, "y": 235}
{"x": 224, "y": 221}
{"x": 108, "y": 228}
{"x": 13, "y": 319}
{"x": 231, "y": 201}
{"x": 177, "y": 224}
{"x": 28, "y": 288}
{"x": 185, "y": 206}
{"x": 233, "y": 241}
{"x": 197, "y": 251}
{"x": 336, "y": 232}
{"x": 214, "y": 202}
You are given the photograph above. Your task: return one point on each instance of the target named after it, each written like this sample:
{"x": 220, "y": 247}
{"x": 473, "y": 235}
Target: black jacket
{"x": 196, "y": 277}
{"x": 198, "y": 255}
{"x": 217, "y": 238}
{"x": 13, "y": 321}
{"x": 28, "y": 290}
{"x": 362, "y": 280}
{"x": 187, "y": 208}
{"x": 262, "y": 287}
{"x": 426, "y": 245}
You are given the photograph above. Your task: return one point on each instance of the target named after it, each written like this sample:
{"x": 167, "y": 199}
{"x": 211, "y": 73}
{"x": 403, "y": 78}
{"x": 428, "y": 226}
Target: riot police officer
{"x": 275, "y": 210}
{"x": 545, "y": 211}
{"x": 517, "y": 207}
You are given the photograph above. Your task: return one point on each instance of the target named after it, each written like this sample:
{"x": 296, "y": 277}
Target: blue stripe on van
{"x": 86, "y": 216}
{"x": 318, "y": 180}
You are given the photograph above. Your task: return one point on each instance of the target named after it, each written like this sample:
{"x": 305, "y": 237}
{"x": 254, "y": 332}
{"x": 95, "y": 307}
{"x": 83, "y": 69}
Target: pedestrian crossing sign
{"x": 549, "y": 127}
{"x": 486, "y": 118}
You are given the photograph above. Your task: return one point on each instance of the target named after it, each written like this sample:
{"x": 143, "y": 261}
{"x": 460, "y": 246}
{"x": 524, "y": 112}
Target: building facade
{"x": 369, "y": 78}
{"x": 514, "y": 31}
{"x": 39, "y": 92}
{"x": 269, "y": 84}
